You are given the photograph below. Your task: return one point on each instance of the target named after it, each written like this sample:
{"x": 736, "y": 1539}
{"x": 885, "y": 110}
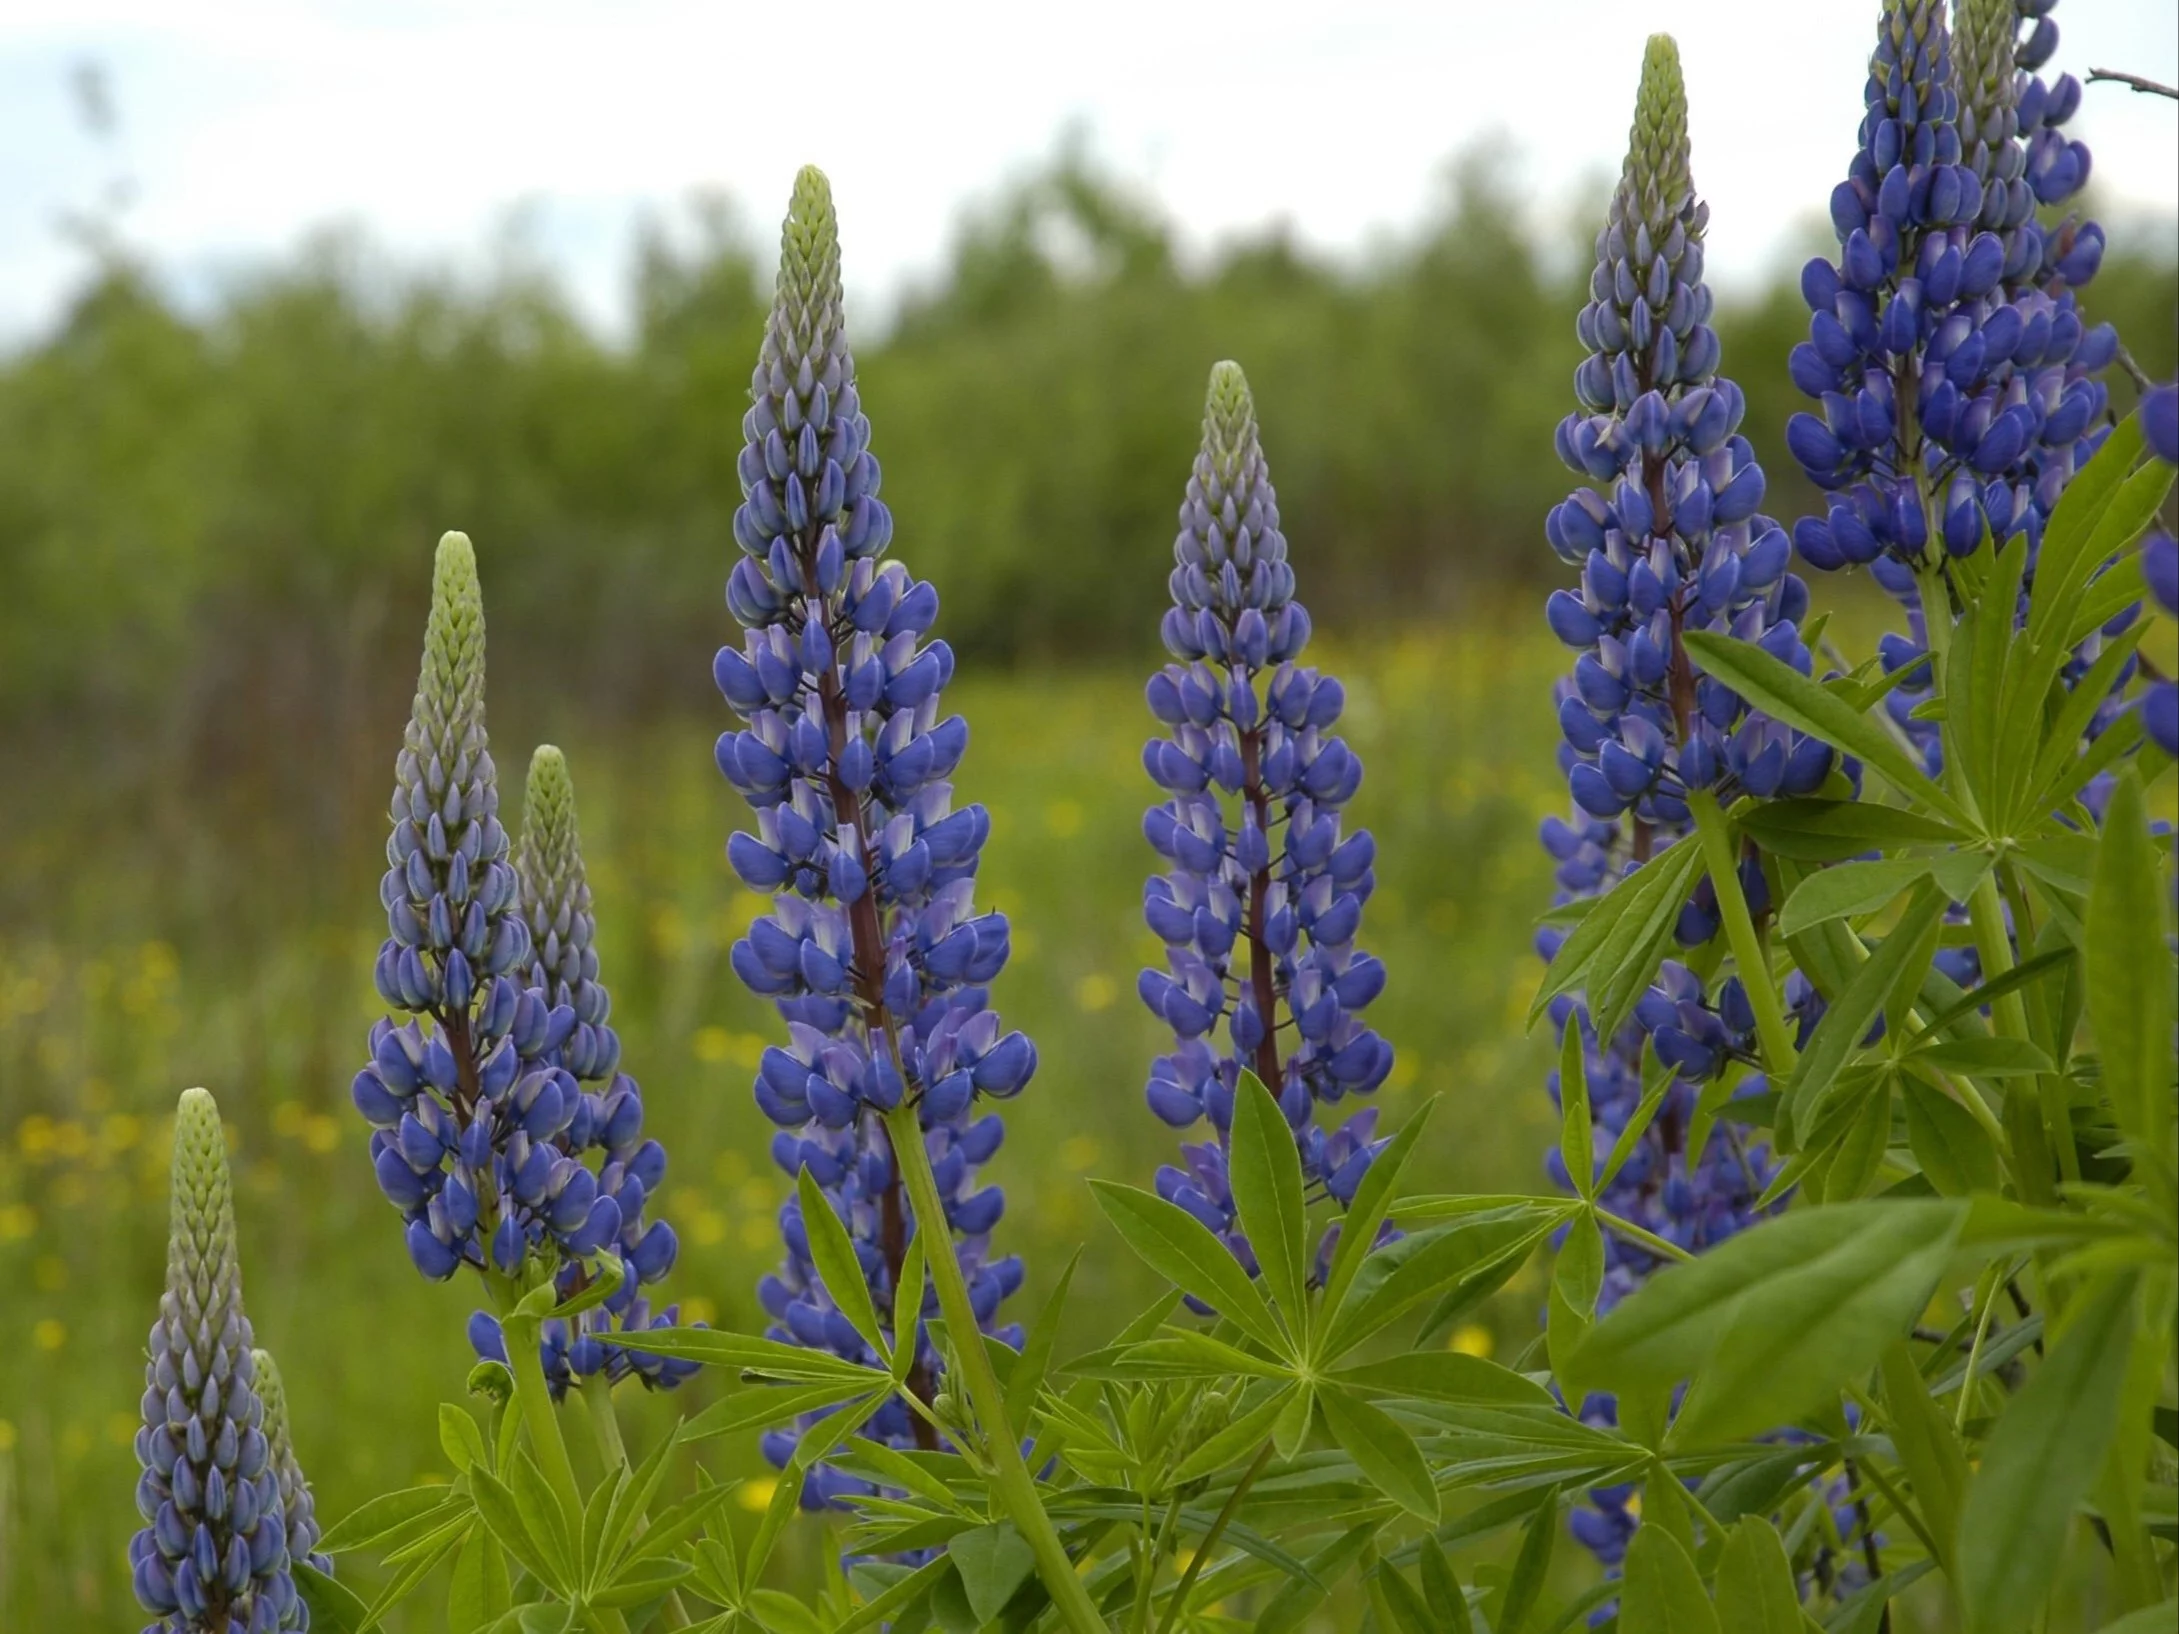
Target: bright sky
{"x": 244, "y": 124}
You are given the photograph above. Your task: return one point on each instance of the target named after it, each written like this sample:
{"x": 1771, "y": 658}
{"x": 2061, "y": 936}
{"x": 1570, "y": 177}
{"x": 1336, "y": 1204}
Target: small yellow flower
{"x": 7, "y": 1436}
{"x": 1095, "y": 992}
{"x": 17, "y": 1221}
{"x": 1063, "y": 819}
{"x": 1472, "y": 1340}
{"x": 711, "y": 1044}
{"x": 698, "y": 1310}
{"x": 756, "y": 1493}
{"x": 707, "y": 1227}
{"x": 1078, "y": 1154}
{"x": 320, "y": 1133}
{"x": 49, "y": 1334}
{"x": 50, "y": 1273}
{"x": 120, "y": 1429}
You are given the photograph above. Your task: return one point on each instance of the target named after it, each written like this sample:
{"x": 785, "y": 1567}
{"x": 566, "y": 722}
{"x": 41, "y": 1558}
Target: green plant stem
{"x": 1139, "y": 1620}
{"x": 1749, "y": 954}
{"x": 1016, "y": 1488}
{"x": 534, "y": 1401}
{"x": 1210, "y": 1538}
{"x": 2045, "y": 1127}
{"x": 605, "y": 1430}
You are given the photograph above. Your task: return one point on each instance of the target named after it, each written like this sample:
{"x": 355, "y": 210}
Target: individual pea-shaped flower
{"x": 1668, "y": 539}
{"x": 213, "y": 1555}
{"x": 874, "y": 951}
{"x": 298, "y": 1507}
{"x": 1262, "y": 898}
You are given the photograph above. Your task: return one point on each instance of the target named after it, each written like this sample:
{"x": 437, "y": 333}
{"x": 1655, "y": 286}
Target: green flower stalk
{"x": 212, "y": 1557}
{"x": 298, "y": 1508}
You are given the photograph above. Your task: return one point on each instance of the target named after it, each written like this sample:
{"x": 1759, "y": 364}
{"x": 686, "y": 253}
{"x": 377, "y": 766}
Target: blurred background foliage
{"x": 216, "y": 524}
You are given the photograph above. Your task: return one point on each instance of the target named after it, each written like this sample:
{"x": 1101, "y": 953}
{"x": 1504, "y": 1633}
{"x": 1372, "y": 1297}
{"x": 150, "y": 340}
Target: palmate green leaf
{"x": 1372, "y": 1201}
{"x": 992, "y": 1561}
{"x": 908, "y": 1297}
{"x": 2069, "y": 558}
{"x": 1027, "y": 1379}
{"x": 2159, "y": 1619}
{"x": 1772, "y": 1321}
{"x": 1491, "y": 1272}
{"x": 1977, "y": 675}
{"x": 1382, "y": 1450}
{"x": 1265, "y": 1167}
{"x": 1954, "y": 1150}
{"x": 1611, "y": 943}
{"x": 1859, "y": 1154}
{"x": 1848, "y": 890}
{"x": 833, "y": 1253}
{"x": 335, "y": 1608}
{"x": 1401, "y": 1604}
{"x": 1663, "y": 1592}
{"x": 1181, "y": 1249}
{"x": 1403, "y": 1274}
{"x": 2041, "y": 1461}
{"x": 477, "y": 1591}
{"x": 1837, "y": 830}
{"x": 1445, "y": 1375}
{"x": 507, "y": 1520}
{"x": 1238, "y": 1439}
{"x": 1577, "y": 1140}
{"x": 757, "y": 1359}
{"x": 1890, "y": 968}
{"x": 2061, "y": 743}
{"x": 1983, "y": 1057}
{"x": 1756, "y": 1590}
{"x": 1928, "y": 1449}
{"x": 761, "y": 1407}
{"x": 2129, "y": 972}
{"x": 898, "y": 1598}
{"x": 2053, "y": 962}
{"x": 1289, "y": 1609}
{"x": 393, "y": 1519}
{"x": 1783, "y": 693}
{"x": 1577, "y": 1276}
{"x": 460, "y": 1439}
{"x": 1511, "y": 1606}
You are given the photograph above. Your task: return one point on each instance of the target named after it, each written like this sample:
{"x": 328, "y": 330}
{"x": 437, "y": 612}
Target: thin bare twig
{"x": 2134, "y": 82}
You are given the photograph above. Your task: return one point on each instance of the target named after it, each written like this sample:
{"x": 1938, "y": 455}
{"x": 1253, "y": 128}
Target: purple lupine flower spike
{"x": 298, "y": 1506}
{"x": 1263, "y": 897}
{"x": 213, "y": 1555}
{"x": 607, "y": 1118}
{"x": 874, "y": 951}
{"x": 2160, "y": 566}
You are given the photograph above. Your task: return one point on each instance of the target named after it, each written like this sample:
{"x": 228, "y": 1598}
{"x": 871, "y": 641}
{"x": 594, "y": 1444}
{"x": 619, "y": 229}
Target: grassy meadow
{"x": 192, "y": 943}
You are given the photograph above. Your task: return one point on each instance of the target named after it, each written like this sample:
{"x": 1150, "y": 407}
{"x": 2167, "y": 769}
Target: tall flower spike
{"x": 1262, "y": 973}
{"x": 471, "y": 1111}
{"x": 562, "y": 979}
{"x": 213, "y": 1555}
{"x": 874, "y": 951}
{"x": 298, "y": 1508}
{"x": 2160, "y": 566}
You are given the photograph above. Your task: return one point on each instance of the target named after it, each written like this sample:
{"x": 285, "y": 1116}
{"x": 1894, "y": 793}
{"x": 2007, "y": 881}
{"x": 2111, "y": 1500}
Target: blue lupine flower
{"x": 471, "y": 1115}
{"x": 213, "y": 1555}
{"x": 298, "y": 1507}
{"x": 2160, "y": 567}
{"x": 1670, "y": 540}
{"x": 1263, "y": 897}
{"x": 873, "y": 951}
{"x": 1950, "y": 299}
{"x": 608, "y": 1115}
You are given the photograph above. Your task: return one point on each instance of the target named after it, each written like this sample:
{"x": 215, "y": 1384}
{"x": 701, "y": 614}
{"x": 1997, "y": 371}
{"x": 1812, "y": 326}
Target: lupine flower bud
{"x": 213, "y": 1555}
{"x": 577, "y": 1066}
{"x": 1260, "y": 940}
{"x": 297, "y": 1506}
{"x": 874, "y": 951}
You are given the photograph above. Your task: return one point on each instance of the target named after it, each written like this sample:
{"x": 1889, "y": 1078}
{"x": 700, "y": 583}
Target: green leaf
{"x": 602, "y": 1278}
{"x": 2041, "y": 1461}
{"x": 908, "y": 1297}
{"x": 1984, "y": 1057}
{"x": 1491, "y": 1272}
{"x": 1445, "y": 1375}
{"x": 1382, "y": 1450}
{"x": 1773, "y": 1320}
{"x": 1847, "y": 1020}
{"x": 460, "y": 1439}
{"x": 477, "y": 1591}
{"x": 755, "y": 1358}
{"x": 1953, "y": 1149}
{"x": 1756, "y": 1591}
{"x": 396, "y": 1516}
{"x": 1577, "y": 1139}
{"x": 1848, "y": 889}
{"x": 1243, "y": 1435}
{"x": 335, "y": 1608}
{"x": 1577, "y": 1276}
{"x": 2158, "y": 1619}
{"x": 1036, "y": 1352}
{"x": 1860, "y": 1150}
{"x": 1628, "y": 960}
{"x": 503, "y": 1514}
{"x": 1408, "y": 1611}
{"x": 761, "y": 1407}
{"x": 1663, "y": 1593}
{"x": 1265, "y": 1168}
{"x": 1513, "y": 1603}
{"x": 1181, "y": 1249}
{"x": 993, "y": 1561}
{"x": 833, "y": 1253}
{"x": 1290, "y": 1607}
{"x": 1461, "y": 1255}
{"x": 1928, "y": 1450}
{"x": 1836, "y": 830}
{"x": 1783, "y": 693}
{"x": 2129, "y": 971}
{"x": 642, "y": 1583}
{"x": 1372, "y": 1200}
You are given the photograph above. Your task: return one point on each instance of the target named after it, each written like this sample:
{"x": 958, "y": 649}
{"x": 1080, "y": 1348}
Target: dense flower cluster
{"x": 1670, "y": 540}
{"x": 298, "y": 1508}
{"x": 1957, "y": 378}
{"x": 608, "y": 1119}
{"x": 873, "y": 951}
{"x": 475, "y": 1129}
{"x": 213, "y": 1555}
{"x": 1263, "y": 897}
{"x": 2160, "y": 567}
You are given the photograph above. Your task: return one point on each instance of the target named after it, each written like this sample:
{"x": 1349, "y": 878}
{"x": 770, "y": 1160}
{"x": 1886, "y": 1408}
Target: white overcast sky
{"x": 246, "y": 123}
